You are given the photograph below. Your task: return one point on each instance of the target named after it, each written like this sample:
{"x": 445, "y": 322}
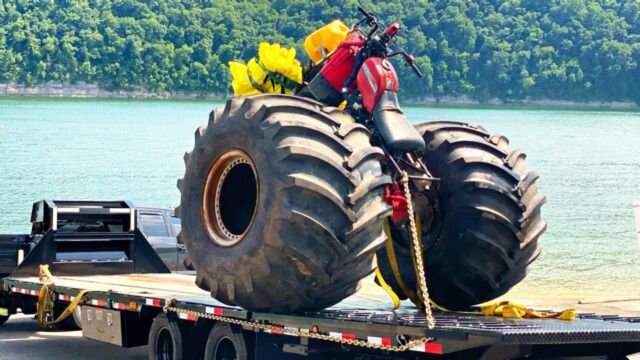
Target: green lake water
{"x": 588, "y": 161}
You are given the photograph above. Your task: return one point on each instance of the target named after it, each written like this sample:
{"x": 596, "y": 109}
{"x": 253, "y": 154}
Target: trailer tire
{"x": 3, "y": 319}
{"x": 305, "y": 204}
{"x": 225, "y": 342}
{"x": 165, "y": 340}
{"x": 77, "y": 316}
{"x": 488, "y": 219}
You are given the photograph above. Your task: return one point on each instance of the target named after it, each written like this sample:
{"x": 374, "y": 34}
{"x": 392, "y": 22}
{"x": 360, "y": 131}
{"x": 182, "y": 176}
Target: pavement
{"x": 21, "y": 338}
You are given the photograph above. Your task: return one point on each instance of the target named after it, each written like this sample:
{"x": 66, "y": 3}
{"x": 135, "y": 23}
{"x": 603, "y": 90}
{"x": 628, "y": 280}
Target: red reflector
{"x": 386, "y": 341}
{"x": 277, "y": 330}
{"x": 349, "y": 336}
{"x": 218, "y": 311}
{"x": 433, "y": 348}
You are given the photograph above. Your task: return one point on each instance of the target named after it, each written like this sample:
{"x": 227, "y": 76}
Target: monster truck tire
{"x": 281, "y": 204}
{"x": 487, "y": 223}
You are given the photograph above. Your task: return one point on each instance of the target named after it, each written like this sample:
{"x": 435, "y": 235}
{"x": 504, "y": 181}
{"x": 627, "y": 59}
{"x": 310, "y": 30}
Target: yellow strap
{"x": 46, "y": 302}
{"x": 394, "y": 297}
{"x": 393, "y": 262}
{"x": 508, "y": 309}
{"x": 512, "y": 310}
{"x": 45, "y": 274}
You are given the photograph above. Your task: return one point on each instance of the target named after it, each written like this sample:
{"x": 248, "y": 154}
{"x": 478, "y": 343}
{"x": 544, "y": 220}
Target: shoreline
{"x": 92, "y": 91}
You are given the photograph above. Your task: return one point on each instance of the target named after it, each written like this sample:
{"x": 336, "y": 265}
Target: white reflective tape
{"x": 336, "y": 335}
{"x": 68, "y": 210}
{"x": 379, "y": 340}
{"x": 119, "y": 210}
{"x": 288, "y": 330}
{"x": 54, "y": 219}
{"x": 20, "y": 256}
{"x": 132, "y": 220}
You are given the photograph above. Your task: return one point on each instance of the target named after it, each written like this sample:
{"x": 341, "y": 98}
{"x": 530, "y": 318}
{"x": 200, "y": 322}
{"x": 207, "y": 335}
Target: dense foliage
{"x": 560, "y": 49}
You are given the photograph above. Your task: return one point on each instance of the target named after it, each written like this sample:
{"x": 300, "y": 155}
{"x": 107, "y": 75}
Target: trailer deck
{"x": 365, "y": 316}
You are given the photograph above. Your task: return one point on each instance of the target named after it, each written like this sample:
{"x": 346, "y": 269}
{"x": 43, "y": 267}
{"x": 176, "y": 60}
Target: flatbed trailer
{"x": 122, "y": 310}
{"x": 129, "y": 298}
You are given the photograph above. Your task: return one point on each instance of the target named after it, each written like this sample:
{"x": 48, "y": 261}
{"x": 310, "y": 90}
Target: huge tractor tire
{"x": 481, "y": 230}
{"x": 281, "y": 204}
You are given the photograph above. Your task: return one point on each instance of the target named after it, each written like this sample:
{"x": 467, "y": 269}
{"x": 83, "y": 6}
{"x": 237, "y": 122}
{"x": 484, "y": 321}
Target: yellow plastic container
{"x": 324, "y": 40}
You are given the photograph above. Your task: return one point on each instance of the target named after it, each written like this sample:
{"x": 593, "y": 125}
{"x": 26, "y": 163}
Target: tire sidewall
{"x": 238, "y": 134}
{"x": 77, "y": 316}
{"x": 160, "y": 323}
{"x": 222, "y": 331}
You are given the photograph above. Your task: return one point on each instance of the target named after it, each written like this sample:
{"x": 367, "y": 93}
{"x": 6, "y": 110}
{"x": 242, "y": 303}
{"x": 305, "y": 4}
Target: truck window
{"x": 177, "y": 226}
{"x": 153, "y": 225}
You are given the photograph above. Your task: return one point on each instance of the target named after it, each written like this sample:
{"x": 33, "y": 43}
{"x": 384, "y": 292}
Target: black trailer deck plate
{"x": 586, "y": 329}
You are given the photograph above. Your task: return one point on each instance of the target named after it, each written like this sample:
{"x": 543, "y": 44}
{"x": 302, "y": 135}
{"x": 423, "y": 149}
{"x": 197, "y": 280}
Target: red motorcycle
{"x": 286, "y": 198}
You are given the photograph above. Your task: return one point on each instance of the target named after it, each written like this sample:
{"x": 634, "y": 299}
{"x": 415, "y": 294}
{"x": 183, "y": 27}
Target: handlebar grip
{"x": 416, "y": 70}
{"x": 364, "y": 12}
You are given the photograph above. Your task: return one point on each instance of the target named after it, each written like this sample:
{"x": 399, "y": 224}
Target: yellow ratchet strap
{"x": 512, "y": 310}
{"x": 46, "y": 301}
{"x": 393, "y": 262}
{"x": 394, "y": 297}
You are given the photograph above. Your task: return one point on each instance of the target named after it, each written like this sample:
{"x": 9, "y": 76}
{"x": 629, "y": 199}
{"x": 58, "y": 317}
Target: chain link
{"x": 168, "y": 307}
{"x": 417, "y": 252}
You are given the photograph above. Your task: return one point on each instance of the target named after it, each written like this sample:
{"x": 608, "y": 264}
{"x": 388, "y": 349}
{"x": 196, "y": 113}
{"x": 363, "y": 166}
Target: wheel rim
{"x": 164, "y": 345}
{"x": 225, "y": 350}
{"x": 230, "y": 198}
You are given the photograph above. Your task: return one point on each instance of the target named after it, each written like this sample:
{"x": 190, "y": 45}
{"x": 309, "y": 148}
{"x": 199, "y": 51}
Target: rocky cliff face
{"x": 55, "y": 89}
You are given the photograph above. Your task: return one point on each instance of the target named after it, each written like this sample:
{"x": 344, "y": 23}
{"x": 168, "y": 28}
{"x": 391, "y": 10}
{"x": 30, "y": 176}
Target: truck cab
{"x": 162, "y": 226}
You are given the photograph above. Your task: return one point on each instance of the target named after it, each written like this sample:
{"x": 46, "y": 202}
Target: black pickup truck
{"x": 160, "y": 226}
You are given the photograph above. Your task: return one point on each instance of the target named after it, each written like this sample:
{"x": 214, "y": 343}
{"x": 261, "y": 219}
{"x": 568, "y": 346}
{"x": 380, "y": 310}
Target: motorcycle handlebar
{"x": 415, "y": 69}
{"x": 370, "y": 18}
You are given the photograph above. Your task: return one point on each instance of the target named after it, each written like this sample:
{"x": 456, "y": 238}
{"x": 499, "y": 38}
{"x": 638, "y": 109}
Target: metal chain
{"x": 417, "y": 252}
{"x": 296, "y": 332}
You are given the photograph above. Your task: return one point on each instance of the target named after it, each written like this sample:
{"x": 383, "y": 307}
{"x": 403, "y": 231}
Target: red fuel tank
{"x": 376, "y": 76}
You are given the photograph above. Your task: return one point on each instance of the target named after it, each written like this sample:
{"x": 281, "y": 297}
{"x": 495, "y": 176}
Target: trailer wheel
{"x": 3, "y": 319}
{"x": 77, "y": 316}
{"x": 225, "y": 343}
{"x": 165, "y": 340}
{"x": 281, "y": 204}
